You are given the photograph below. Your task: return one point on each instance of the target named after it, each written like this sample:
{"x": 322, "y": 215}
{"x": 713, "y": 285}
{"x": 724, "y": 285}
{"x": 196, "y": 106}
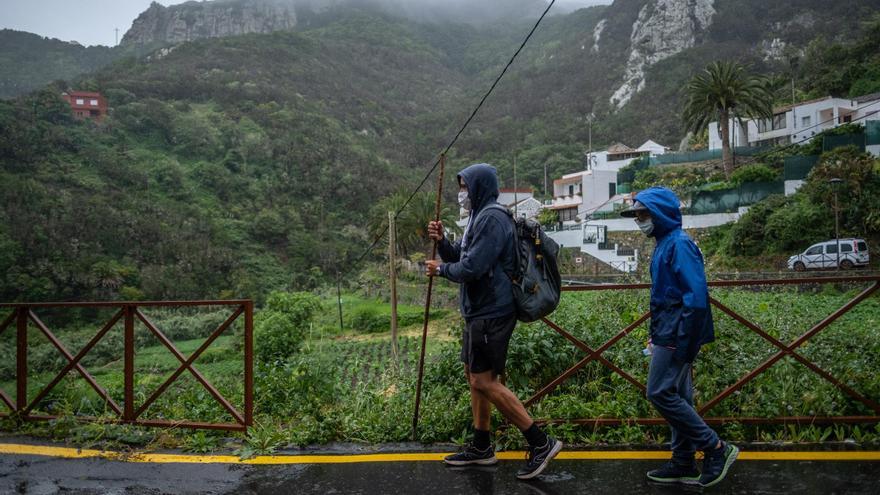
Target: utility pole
{"x": 339, "y": 301}
{"x": 515, "y": 197}
{"x": 545, "y": 178}
{"x": 590, "y": 121}
{"x": 392, "y": 241}
{"x": 835, "y": 182}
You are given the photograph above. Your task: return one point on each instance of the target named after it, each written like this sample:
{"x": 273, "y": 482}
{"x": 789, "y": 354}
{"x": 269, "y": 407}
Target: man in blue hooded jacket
{"x": 681, "y": 322}
{"x": 480, "y": 262}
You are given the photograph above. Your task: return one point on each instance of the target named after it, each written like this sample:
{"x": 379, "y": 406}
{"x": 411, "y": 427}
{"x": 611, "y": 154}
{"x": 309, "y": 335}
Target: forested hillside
{"x": 29, "y": 61}
{"x": 236, "y": 165}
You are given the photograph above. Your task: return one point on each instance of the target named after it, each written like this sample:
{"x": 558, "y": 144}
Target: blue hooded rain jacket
{"x": 680, "y": 313}
{"x": 481, "y": 260}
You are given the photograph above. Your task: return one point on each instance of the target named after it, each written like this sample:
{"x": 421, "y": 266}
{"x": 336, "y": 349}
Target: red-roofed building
{"x": 86, "y": 104}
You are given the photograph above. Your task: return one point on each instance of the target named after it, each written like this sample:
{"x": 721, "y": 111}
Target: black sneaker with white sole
{"x": 538, "y": 458}
{"x": 471, "y": 455}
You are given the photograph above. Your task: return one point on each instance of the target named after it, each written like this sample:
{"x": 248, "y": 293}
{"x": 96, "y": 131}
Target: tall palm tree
{"x": 722, "y": 90}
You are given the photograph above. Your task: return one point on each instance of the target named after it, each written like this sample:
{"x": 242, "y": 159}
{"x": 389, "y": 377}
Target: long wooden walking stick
{"x": 415, "y": 422}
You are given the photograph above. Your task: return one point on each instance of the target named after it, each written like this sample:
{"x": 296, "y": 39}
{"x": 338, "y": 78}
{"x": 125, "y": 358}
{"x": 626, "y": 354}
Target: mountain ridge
{"x": 241, "y": 164}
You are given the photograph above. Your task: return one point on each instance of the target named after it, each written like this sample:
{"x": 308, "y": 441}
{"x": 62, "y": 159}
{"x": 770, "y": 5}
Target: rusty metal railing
{"x": 705, "y": 408}
{"x": 23, "y": 315}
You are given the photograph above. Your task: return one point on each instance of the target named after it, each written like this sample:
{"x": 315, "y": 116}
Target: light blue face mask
{"x": 646, "y": 227}
{"x": 464, "y": 200}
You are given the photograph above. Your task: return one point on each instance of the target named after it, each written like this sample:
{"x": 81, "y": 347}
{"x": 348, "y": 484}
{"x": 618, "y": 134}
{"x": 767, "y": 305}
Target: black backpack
{"x": 536, "y": 282}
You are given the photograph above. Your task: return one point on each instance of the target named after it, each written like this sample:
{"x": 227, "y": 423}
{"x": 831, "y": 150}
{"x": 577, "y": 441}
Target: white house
{"x": 509, "y": 196}
{"x": 527, "y": 208}
{"x": 520, "y": 202}
{"x": 578, "y": 194}
{"x": 619, "y": 155}
{"x": 798, "y": 123}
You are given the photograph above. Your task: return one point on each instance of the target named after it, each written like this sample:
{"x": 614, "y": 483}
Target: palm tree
{"x": 722, "y": 90}
{"x": 412, "y": 223}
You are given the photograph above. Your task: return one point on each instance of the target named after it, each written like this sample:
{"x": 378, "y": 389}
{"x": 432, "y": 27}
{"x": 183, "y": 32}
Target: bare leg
{"x": 501, "y": 397}
{"x": 480, "y": 405}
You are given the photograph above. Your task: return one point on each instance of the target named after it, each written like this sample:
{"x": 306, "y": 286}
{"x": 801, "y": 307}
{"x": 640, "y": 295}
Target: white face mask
{"x": 464, "y": 201}
{"x": 646, "y": 227}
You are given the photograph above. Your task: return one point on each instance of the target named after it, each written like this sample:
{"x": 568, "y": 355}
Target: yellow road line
{"x": 72, "y": 453}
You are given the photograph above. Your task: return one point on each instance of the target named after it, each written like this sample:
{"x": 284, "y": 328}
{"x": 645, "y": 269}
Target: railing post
{"x": 249, "y": 363}
{"x": 128, "y": 410}
{"x": 21, "y": 359}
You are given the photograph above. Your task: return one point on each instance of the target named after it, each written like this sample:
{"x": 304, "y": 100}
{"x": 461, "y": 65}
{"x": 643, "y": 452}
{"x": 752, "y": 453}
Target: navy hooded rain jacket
{"x": 481, "y": 266}
{"x": 680, "y": 312}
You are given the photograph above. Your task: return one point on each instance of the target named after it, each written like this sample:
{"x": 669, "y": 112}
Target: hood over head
{"x": 664, "y": 207}
{"x": 481, "y": 180}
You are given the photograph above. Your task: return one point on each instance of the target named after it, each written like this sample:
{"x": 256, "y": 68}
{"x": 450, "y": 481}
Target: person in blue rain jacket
{"x": 681, "y": 322}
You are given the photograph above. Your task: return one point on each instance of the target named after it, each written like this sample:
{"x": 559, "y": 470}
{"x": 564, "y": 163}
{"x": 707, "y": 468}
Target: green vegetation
{"x": 282, "y": 325}
{"x": 242, "y": 165}
{"x": 260, "y": 166}
{"x": 786, "y": 225}
{"x": 844, "y": 69}
{"x": 31, "y": 61}
{"x": 349, "y": 388}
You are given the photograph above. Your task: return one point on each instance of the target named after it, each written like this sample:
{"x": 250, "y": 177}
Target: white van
{"x": 853, "y": 253}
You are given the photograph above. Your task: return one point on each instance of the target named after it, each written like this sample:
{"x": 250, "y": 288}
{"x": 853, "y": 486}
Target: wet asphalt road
{"x": 44, "y": 475}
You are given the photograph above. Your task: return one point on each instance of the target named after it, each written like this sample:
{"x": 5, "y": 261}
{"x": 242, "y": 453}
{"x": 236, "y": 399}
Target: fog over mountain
{"x": 197, "y": 20}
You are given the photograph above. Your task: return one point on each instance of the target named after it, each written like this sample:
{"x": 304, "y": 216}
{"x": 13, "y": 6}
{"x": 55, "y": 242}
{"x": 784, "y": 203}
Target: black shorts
{"x": 484, "y": 343}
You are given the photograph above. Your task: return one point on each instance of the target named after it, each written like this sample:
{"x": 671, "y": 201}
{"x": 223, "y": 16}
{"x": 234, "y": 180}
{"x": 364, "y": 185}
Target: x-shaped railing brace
{"x": 186, "y": 364}
{"x": 73, "y": 363}
{"x": 789, "y": 350}
{"x": 592, "y": 355}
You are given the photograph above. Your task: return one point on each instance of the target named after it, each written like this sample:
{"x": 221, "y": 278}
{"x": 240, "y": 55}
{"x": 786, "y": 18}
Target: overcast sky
{"x": 92, "y": 22}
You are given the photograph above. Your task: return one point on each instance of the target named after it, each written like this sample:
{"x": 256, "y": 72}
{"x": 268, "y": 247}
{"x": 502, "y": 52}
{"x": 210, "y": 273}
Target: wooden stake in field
{"x": 415, "y": 423}
{"x": 392, "y": 261}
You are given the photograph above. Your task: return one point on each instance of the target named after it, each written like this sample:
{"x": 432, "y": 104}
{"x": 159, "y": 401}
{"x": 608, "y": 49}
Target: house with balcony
{"x": 798, "y": 123}
{"x": 86, "y": 104}
{"x": 619, "y": 155}
{"x": 579, "y": 194}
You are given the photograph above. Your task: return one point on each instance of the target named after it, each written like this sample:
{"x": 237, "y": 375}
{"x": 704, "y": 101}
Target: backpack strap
{"x": 516, "y": 254}
{"x": 494, "y": 206}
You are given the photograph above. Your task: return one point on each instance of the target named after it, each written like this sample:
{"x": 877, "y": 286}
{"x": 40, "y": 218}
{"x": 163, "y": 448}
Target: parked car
{"x": 853, "y": 253}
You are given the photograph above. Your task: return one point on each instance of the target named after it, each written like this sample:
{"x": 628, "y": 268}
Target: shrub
{"x": 306, "y": 384}
{"x": 181, "y": 326}
{"x": 858, "y": 193}
{"x": 797, "y": 225}
{"x": 281, "y": 326}
{"x": 681, "y": 179}
{"x": 747, "y": 234}
{"x": 376, "y": 317}
{"x": 756, "y": 172}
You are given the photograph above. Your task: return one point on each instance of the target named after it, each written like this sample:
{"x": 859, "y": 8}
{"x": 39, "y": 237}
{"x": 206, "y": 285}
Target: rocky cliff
{"x": 664, "y": 28}
{"x": 194, "y": 20}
